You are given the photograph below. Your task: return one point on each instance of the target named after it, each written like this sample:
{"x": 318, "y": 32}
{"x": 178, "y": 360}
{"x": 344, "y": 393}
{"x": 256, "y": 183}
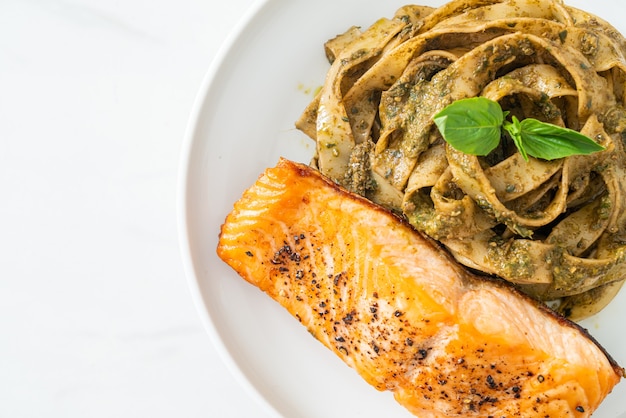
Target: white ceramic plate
{"x": 243, "y": 121}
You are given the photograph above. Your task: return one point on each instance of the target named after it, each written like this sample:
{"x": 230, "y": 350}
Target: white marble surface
{"x": 96, "y": 319}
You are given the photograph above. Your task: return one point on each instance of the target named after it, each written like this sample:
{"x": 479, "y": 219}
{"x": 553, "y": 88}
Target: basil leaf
{"x": 472, "y": 126}
{"x": 514, "y": 129}
{"x": 549, "y": 142}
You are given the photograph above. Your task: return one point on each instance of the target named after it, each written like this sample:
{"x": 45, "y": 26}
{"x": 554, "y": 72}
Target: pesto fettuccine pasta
{"x": 554, "y": 228}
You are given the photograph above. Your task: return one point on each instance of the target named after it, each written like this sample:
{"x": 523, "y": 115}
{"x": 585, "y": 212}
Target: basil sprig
{"x": 475, "y": 125}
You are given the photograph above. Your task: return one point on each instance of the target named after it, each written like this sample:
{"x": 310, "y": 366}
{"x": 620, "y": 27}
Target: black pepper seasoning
{"x": 348, "y": 318}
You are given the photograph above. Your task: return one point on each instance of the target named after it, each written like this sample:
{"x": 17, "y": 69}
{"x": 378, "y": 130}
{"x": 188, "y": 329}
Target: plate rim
{"x": 182, "y": 200}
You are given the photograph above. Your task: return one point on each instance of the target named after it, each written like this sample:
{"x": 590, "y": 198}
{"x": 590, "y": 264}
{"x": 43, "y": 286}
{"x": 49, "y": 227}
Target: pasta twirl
{"x": 556, "y": 228}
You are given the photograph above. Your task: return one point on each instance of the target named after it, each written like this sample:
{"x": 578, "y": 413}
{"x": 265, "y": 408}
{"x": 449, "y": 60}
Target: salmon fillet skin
{"x": 400, "y": 311}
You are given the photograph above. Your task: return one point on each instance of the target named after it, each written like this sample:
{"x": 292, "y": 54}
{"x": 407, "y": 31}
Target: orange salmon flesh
{"x": 401, "y": 312}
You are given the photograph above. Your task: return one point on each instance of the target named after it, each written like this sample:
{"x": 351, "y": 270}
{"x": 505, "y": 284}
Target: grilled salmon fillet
{"x": 401, "y": 312}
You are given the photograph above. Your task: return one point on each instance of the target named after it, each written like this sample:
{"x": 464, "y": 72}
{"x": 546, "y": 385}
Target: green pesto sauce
{"x": 512, "y": 258}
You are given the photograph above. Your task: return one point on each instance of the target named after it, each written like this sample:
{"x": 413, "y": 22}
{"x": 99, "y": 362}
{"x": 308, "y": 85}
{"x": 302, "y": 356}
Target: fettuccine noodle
{"x": 554, "y": 228}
